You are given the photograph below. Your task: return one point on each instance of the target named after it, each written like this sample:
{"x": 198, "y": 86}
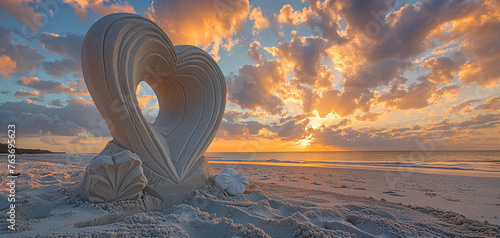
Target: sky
{"x": 330, "y": 75}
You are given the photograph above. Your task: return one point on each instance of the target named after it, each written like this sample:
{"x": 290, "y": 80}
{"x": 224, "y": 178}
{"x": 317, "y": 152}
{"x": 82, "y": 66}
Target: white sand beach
{"x": 281, "y": 201}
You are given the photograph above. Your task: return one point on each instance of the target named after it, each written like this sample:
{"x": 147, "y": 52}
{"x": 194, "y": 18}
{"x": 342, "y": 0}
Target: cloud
{"x": 322, "y": 19}
{"x": 69, "y": 46}
{"x": 80, "y": 101}
{"x": 37, "y": 123}
{"x": 342, "y": 103}
{"x": 232, "y": 115}
{"x": 100, "y": 6}
{"x": 23, "y": 12}
{"x": 257, "y": 86}
{"x": 463, "y": 107}
{"x": 144, "y": 100}
{"x": 291, "y": 128}
{"x": 479, "y": 33}
{"x": 254, "y": 127}
{"x": 57, "y": 103}
{"x": 442, "y": 134}
{"x": 82, "y": 140}
{"x": 233, "y": 131}
{"x": 339, "y": 135}
{"x": 260, "y": 22}
{"x": 412, "y": 24}
{"x": 369, "y": 116}
{"x": 304, "y": 55}
{"x": 7, "y": 66}
{"x": 369, "y": 76}
{"x": 448, "y": 91}
{"x": 33, "y": 94}
{"x": 444, "y": 69}
{"x": 492, "y": 104}
{"x": 288, "y": 16}
{"x": 480, "y": 121}
{"x": 50, "y": 140}
{"x": 416, "y": 96}
{"x": 367, "y": 17}
{"x": 50, "y": 86}
{"x": 25, "y": 57}
{"x": 58, "y": 68}
{"x": 71, "y": 120}
{"x": 253, "y": 53}
{"x": 200, "y": 22}
{"x": 236, "y": 115}
{"x": 366, "y": 62}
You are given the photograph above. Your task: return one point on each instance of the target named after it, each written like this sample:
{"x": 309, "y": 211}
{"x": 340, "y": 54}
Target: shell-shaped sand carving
{"x": 234, "y": 184}
{"x": 113, "y": 177}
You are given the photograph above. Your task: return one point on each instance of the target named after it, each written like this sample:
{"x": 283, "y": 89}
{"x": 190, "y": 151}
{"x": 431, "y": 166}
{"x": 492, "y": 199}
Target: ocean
{"x": 487, "y": 161}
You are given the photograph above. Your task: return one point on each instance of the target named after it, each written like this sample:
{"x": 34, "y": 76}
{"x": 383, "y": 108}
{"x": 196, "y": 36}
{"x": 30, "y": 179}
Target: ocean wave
{"x": 450, "y": 166}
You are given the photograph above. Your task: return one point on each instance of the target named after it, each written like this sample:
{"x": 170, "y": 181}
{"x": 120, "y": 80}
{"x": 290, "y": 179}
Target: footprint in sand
{"x": 342, "y": 186}
{"x": 359, "y": 188}
{"x": 392, "y": 193}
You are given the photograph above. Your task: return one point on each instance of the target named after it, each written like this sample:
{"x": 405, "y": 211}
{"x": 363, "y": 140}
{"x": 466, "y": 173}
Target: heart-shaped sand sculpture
{"x": 122, "y": 50}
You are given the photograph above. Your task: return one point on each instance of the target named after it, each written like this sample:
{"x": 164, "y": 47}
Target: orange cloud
{"x": 103, "y": 7}
{"x": 444, "y": 69}
{"x": 7, "y": 66}
{"x": 144, "y": 100}
{"x": 253, "y": 53}
{"x": 23, "y": 13}
{"x": 260, "y": 22}
{"x": 259, "y": 86}
{"x": 480, "y": 35}
{"x": 289, "y": 16}
{"x": 199, "y": 22}
{"x": 492, "y": 104}
{"x": 463, "y": 107}
{"x": 50, "y": 140}
{"x": 369, "y": 116}
{"x": 82, "y": 140}
{"x": 23, "y": 93}
{"x": 80, "y": 101}
{"x": 49, "y": 86}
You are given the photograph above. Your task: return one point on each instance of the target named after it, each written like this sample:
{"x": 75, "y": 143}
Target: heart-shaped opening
{"x": 148, "y": 102}
{"x": 162, "y": 102}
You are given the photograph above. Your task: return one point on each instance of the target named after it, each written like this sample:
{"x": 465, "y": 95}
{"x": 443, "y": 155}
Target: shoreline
{"x": 443, "y": 171}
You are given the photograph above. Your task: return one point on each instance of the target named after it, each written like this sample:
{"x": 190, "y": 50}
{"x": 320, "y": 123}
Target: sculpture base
{"x": 117, "y": 174}
{"x": 171, "y": 193}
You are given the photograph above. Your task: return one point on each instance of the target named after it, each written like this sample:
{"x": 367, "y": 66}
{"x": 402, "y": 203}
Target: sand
{"x": 279, "y": 202}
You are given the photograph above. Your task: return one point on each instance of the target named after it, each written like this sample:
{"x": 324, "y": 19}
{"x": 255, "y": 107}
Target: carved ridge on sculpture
{"x": 122, "y": 50}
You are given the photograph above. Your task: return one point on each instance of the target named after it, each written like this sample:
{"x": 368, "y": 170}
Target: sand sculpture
{"x": 120, "y": 51}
